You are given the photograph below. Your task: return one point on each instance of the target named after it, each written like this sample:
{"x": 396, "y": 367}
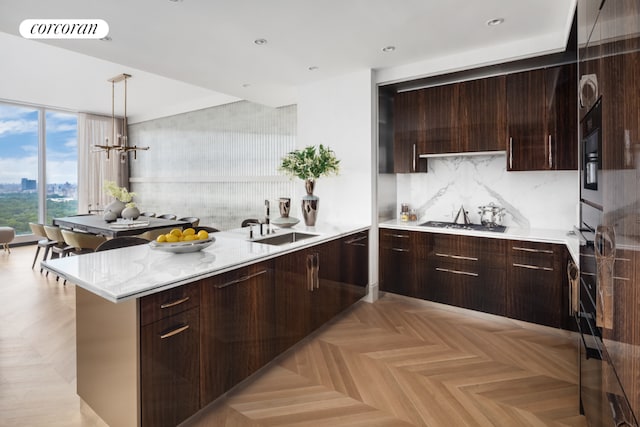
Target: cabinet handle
{"x": 174, "y": 303}
{"x": 550, "y": 154}
{"x": 316, "y": 267}
{"x": 239, "y": 280}
{"x": 399, "y": 250}
{"x": 175, "y": 331}
{"x": 538, "y": 251}
{"x": 468, "y": 258}
{"x": 510, "y": 152}
{"x": 313, "y": 271}
{"x": 465, "y": 273}
{"x": 402, "y": 236}
{"x": 532, "y": 267}
{"x": 414, "y": 157}
{"x": 356, "y": 239}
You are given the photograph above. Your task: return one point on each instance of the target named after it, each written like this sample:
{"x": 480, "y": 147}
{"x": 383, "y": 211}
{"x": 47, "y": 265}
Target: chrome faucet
{"x": 266, "y": 217}
{"x": 266, "y": 222}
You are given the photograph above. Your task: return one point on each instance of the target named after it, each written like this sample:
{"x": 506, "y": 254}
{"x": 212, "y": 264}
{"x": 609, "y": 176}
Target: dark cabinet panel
{"x": 408, "y": 132}
{"x": 163, "y": 304}
{"x": 402, "y": 257}
{"x": 170, "y": 369}
{"x": 536, "y": 278}
{"x": 238, "y": 327}
{"x": 482, "y": 115}
{"x": 542, "y": 119}
{"x": 440, "y": 129}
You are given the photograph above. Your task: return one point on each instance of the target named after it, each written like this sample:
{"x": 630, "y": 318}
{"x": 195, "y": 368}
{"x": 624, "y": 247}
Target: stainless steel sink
{"x": 283, "y": 239}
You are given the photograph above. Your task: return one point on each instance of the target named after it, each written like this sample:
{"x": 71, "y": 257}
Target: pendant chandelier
{"x": 119, "y": 142}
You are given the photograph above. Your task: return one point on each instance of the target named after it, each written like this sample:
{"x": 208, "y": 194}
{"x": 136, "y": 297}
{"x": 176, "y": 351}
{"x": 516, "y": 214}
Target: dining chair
{"x": 153, "y": 234}
{"x": 167, "y": 216}
{"x": 121, "y": 242}
{"x": 194, "y": 220}
{"x": 148, "y": 214}
{"x": 38, "y": 230}
{"x": 82, "y": 243}
{"x": 60, "y": 249}
{"x": 205, "y": 228}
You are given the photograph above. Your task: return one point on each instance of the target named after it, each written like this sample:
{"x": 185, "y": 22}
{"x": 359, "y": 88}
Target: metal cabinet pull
{"x": 550, "y": 154}
{"x": 239, "y": 280}
{"x": 402, "y": 236}
{"x": 414, "y": 157}
{"x": 465, "y": 273}
{"x": 510, "y": 152}
{"x": 174, "y": 303}
{"x": 175, "y": 331}
{"x": 399, "y": 250}
{"x": 313, "y": 271}
{"x": 540, "y": 251}
{"x": 468, "y": 258}
{"x": 532, "y": 267}
{"x": 355, "y": 240}
{"x": 316, "y": 267}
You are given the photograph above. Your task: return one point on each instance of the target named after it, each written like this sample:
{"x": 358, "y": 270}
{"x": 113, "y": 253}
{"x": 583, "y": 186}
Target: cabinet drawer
{"x": 533, "y": 256}
{"x": 466, "y": 249}
{"x": 395, "y": 239}
{"x": 158, "y": 306}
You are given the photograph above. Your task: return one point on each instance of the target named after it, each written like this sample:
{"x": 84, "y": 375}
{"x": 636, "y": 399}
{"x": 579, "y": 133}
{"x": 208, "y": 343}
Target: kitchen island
{"x": 161, "y": 335}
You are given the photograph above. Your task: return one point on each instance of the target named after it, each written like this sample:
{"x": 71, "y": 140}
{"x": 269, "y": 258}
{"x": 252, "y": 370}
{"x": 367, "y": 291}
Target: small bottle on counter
{"x": 412, "y": 215}
{"x": 404, "y": 212}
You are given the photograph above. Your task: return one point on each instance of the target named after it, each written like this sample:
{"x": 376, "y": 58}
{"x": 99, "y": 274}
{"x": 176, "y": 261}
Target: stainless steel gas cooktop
{"x": 456, "y": 226}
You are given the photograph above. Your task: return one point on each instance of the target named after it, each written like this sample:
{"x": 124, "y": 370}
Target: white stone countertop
{"x": 566, "y": 237}
{"x": 136, "y": 271}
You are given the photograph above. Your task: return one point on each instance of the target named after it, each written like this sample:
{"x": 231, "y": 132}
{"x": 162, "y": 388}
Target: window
{"x": 38, "y": 166}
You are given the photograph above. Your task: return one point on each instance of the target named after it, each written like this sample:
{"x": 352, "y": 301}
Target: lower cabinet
{"x": 199, "y": 340}
{"x": 536, "y": 273}
{"x": 518, "y": 279}
{"x": 238, "y": 327}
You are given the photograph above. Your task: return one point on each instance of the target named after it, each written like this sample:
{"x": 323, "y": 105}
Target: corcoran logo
{"x": 64, "y": 28}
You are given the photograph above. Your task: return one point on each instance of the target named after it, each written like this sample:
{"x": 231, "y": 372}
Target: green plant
{"x": 120, "y": 193}
{"x": 311, "y": 163}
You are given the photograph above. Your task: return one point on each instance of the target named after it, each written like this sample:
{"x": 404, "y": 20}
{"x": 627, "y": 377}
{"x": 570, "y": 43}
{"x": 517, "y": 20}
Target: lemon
{"x": 161, "y": 238}
{"x": 176, "y": 232}
{"x": 190, "y": 237}
{"x": 188, "y": 232}
{"x": 172, "y": 238}
{"x": 203, "y": 235}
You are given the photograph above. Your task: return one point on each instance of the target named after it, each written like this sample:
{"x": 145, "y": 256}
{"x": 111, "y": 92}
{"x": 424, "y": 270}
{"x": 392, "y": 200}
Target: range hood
{"x": 466, "y": 154}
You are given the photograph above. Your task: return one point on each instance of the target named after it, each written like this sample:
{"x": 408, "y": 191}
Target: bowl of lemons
{"x": 182, "y": 241}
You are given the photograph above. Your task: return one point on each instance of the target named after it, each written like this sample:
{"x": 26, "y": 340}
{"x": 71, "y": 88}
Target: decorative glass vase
{"x": 310, "y": 204}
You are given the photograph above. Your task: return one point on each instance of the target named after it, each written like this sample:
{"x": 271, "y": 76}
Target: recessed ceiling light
{"x": 175, "y": 1}
{"x": 494, "y": 22}
{"x": 260, "y": 42}
{"x": 388, "y": 49}
{"x": 246, "y": 84}
{"x": 313, "y": 68}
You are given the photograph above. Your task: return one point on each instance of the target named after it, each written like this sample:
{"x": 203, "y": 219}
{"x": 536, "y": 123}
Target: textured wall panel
{"x": 219, "y": 164}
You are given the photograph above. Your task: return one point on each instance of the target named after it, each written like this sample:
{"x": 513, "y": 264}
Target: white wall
{"x": 339, "y": 113}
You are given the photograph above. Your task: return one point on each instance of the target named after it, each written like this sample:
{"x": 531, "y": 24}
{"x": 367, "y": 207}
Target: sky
{"x": 19, "y": 145}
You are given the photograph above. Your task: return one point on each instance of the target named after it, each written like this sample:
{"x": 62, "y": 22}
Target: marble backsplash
{"x": 537, "y": 199}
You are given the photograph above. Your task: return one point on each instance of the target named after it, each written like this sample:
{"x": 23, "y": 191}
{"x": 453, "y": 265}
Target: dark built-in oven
{"x": 591, "y": 155}
{"x": 602, "y": 399}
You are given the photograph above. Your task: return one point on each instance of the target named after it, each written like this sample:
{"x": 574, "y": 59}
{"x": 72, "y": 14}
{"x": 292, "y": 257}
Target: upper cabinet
{"x": 482, "y": 115}
{"x": 438, "y": 114}
{"x": 408, "y": 132}
{"x": 542, "y": 119}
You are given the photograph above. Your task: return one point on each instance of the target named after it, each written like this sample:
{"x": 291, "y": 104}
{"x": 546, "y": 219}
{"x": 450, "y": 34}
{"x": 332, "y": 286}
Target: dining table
{"x": 95, "y": 224}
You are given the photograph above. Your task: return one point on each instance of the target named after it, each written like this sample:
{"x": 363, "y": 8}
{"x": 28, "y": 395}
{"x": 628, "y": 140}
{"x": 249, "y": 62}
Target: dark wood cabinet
{"x": 482, "y": 115}
{"x": 401, "y": 254}
{"x": 467, "y": 272}
{"x": 439, "y": 120}
{"x": 170, "y": 366}
{"x": 313, "y": 285}
{"x": 537, "y": 283}
{"x": 408, "y": 132}
{"x": 238, "y": 327}
{"x": 542, "y": 119}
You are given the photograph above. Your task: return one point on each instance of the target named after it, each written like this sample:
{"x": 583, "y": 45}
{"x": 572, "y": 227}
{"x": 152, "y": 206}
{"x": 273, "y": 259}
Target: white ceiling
{"x": 196, "y": 53}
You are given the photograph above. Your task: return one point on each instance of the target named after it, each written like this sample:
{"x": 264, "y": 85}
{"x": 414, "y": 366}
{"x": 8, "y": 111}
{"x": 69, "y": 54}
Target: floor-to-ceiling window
{"x": 38, "y": 166}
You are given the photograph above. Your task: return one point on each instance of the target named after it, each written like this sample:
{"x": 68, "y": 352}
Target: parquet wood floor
{"x": 398, "y": 362}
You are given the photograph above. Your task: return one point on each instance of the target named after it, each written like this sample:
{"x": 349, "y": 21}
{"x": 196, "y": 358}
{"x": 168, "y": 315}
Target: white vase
{"x": 130, "y": 213}
{"x": 116, "y": 207}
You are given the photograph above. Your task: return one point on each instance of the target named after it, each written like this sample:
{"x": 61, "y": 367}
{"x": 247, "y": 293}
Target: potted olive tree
{"x": 309, "y": 164}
